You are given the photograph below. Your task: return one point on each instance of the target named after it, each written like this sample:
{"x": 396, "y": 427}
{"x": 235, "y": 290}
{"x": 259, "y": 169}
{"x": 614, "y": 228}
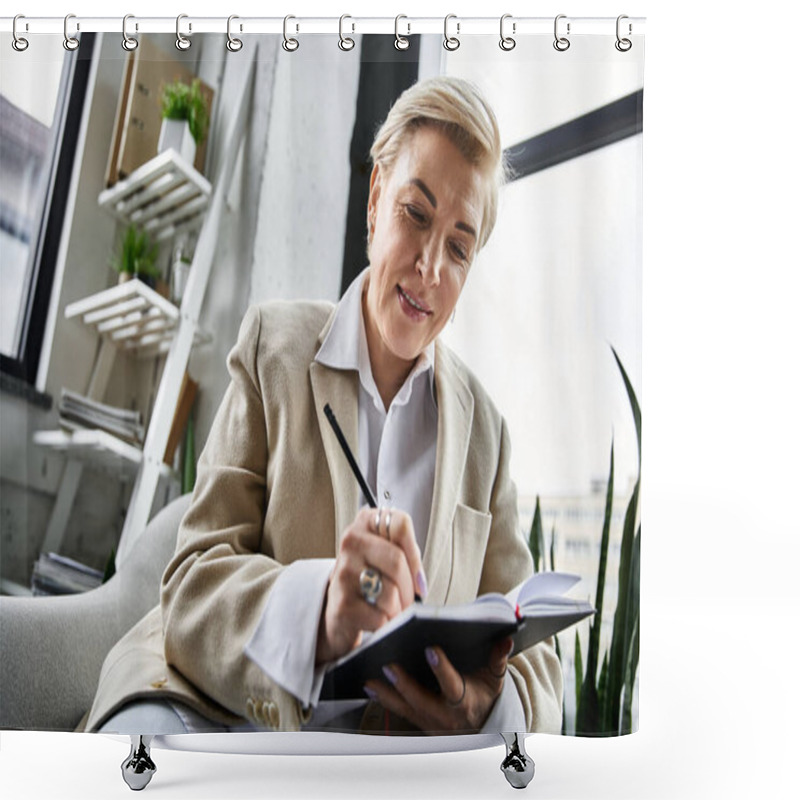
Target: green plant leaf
{"x": 578, "y": 672}
{"x": 634, "y": 403}
{"x": 183, "y": 102}
{"x": 536, "y": 538}
{"x": 632, "y": 663}
{"x": 189, "y": 466}
{"x": 553, "y": 548}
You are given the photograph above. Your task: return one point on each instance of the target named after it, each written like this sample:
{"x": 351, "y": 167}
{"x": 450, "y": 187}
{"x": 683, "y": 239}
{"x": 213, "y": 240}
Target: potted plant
{"x": 185, "y": 118}
{"x": 136, "y": 257}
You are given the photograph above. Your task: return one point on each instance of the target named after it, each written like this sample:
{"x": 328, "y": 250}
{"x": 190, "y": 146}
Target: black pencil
{"x": 350, "y": 457}
{"x": 354, "y": 466}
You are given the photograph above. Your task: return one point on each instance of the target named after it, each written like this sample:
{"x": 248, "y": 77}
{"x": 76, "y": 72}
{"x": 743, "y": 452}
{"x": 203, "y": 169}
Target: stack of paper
{"x": 77, "y": 411}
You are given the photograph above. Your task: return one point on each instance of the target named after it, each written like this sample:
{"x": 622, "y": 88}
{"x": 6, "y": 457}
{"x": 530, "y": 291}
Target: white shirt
{"x": 399, "y": 469}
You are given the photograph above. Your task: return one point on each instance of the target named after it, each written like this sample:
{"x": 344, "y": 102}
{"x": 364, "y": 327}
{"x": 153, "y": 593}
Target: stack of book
{"x": 54, "y": 574}
{"x": 77, "y": 412}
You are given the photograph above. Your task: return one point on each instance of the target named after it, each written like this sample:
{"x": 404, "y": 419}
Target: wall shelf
{"x": 134, "y": 317}
{"x": 98, "y": 449}
{"x": 163, "y": 196}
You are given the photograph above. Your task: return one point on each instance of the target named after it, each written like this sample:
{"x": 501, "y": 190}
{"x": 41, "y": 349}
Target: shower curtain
{"x": 93, "y": 203}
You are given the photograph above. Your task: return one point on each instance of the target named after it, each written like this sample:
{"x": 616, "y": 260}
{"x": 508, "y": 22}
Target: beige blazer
{"x": 273, "y": 486}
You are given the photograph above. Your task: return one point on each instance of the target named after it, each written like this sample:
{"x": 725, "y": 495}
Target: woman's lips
{"x": 411, "y": 306}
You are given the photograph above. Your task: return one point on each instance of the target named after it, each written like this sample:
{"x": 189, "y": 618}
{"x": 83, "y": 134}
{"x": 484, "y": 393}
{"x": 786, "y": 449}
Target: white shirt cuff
{"x": 507, "y": 715}
{"x": 284, "y": 644}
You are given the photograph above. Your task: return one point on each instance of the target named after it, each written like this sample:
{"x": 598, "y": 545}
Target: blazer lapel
{"x": 456, "y": 404}
{"x": 340, "y": 389}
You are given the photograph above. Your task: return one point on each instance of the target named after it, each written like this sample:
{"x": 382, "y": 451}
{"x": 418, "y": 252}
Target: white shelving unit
{"x": 99, "y": 449}
{"x": 134, "y": 317}
{"x": 164, "y": 196}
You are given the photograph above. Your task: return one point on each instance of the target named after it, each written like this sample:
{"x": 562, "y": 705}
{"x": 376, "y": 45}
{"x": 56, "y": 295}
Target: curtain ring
{"x": 345, "y": 42}
{"x": 129, "y": 43}
{"x": 400, "y": 42}
{"x": 561, "y": 43}
{"x": 181, "y": 42}
{"x": 289, "y": 45}
{"x": 451, "y": 42}
{"x": 623, "y": 45}
{"x": 18, "y": 42}
{"x": 70, "y": 42}
{"x": 507, "y": 42}
{"x": 233, "y": 44}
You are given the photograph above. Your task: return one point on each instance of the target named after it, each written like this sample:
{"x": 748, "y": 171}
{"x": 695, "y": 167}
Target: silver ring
{"x": 70, "y": 42}
{"x": 561, "y": 43}
{"x": 463, "y": 693}
{"x": 623, "y": 45}
{"x": 378, "y": 521}
{"x": 387, "y": 521}
{"x": 345, "y": 42}
{"x": 181, "y": 42}
{"x": 289, "y": 45}
{"x": 400, "y": 42}
{"x": 451, "y": 42}
{"x": 129, "y": 43}
{"x": 371, "y": 585}
{"x": 19, "y": 43}
{"x": 234, "y": 45}
{"x": 507, "y": 42}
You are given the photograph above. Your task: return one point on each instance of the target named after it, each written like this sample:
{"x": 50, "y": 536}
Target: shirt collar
{"x": 345, "y": 347}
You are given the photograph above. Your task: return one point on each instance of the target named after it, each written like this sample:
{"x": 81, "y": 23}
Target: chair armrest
{"x": 52, "y": 651}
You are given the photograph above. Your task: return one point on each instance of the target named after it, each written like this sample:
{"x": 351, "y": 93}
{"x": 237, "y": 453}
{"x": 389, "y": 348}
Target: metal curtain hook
{"x": 290, "y": 45}
{"x": 451, "y": 42}
{"x": 234, "y": 45}
{"x": 129, "y": 43}
{"x": 345, "y": 42}
{"x": 400, "y": 42}
{"x": 181, "y": 42}
{"x": 561, "y": 43}
{"x": 507, "y": 42}
{"x": 623, "y": 45}
{"x": 70, "y": 42}
{"x": 18, "y": 42}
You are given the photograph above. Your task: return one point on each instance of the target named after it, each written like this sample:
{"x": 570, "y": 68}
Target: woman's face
{"x": 424, "y": 216}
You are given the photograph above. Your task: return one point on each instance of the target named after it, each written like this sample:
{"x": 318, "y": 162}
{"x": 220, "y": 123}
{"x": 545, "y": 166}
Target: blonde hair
{"x": 457, "y": 108}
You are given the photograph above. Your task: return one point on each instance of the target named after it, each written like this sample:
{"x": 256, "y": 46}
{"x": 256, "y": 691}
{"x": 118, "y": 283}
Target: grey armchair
{"x": 52, "y": 648}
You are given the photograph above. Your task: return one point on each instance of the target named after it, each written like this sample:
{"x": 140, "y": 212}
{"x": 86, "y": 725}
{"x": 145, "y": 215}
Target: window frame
{"x": 24, "y": 367}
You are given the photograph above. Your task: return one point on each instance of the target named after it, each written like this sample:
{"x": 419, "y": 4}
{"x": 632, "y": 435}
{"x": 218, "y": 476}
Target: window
{"x": 41, "y": 103}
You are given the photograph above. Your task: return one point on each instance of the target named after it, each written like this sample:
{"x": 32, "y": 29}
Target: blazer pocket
{"x": 470, "y": 536}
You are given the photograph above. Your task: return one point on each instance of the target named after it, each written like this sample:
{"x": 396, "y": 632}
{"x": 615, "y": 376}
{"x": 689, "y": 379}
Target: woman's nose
{"x": 429, "y": 264}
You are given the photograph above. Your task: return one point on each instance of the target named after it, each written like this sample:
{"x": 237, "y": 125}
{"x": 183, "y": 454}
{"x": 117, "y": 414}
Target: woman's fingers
{"x": 451, "y": 681}
{"x": 398, "y": 528}
{"x": 498, "y": 659}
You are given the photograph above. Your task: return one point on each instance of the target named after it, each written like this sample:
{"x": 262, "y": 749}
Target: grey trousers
{"x": 159, "y": 717}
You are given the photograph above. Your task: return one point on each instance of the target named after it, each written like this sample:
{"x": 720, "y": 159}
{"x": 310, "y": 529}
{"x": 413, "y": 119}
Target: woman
{"x": 267, "y": 584}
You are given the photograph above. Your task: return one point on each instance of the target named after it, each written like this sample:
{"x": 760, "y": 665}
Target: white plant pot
{"x": 175, "y": 135}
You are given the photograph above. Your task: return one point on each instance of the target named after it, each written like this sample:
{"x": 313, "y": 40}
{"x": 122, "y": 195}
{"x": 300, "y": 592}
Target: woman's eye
{"x": 458, "y": 251}
{"x": 415, "y": 214}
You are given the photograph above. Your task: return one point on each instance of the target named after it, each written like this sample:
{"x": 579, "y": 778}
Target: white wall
{"x": 303, "y": 205}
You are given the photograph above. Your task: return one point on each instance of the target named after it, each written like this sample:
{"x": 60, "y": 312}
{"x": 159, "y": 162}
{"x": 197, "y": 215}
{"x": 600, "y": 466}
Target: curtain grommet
{"x": 561, "y": 43}
{"x": 345, "y": 42}
{"x": 289, "y": 43}
{"x": 233, "y": 44}
{"x": 129, "y": 43}
{"x": 401, "y": 42}
{"x": 451, "y": 43}
{"x": 19, "y": 43}
{"x": 507, "y": 43}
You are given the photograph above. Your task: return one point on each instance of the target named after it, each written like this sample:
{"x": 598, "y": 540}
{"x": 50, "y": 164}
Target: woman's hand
{"x": 462, "y": 706}
{"x": 384, "y": 540}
